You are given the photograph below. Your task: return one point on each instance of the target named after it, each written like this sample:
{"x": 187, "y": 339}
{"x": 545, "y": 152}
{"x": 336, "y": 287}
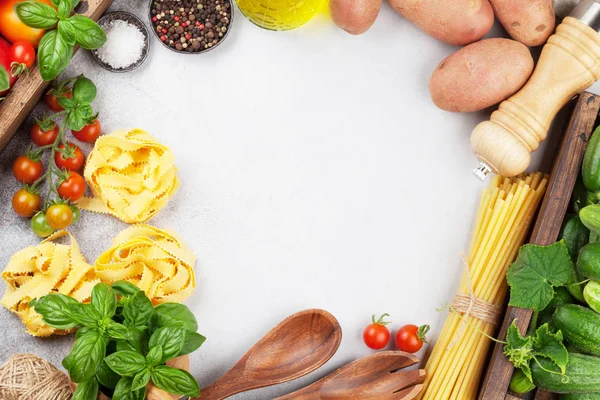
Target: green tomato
{"x": 76, "y": 214}
{"x": 39, "y": 225}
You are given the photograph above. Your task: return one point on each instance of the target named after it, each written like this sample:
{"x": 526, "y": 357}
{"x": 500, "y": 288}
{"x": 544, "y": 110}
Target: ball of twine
{"x": 29, "y": 377}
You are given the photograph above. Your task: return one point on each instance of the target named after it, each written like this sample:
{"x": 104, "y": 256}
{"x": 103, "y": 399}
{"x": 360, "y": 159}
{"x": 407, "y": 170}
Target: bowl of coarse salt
{"x": 127, "y": 42}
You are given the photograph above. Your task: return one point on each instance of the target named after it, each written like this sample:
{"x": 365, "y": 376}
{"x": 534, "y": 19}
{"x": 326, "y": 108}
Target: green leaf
{"x": 84, "y": 90}
{"x": 175, "y": 381}
{"x": 171, "y": 338}
{"x": 138, "y": 310}
{"x": 36, "y": 14}
{"x": 104, "y": 300}
{"x": 550, "y": 345}
{"x": 79, "y": 117}
{"x": 64, "y": 9}
{"x": 124, "y": 288}
{"x": 4, "y": 80}
{"x": 594, "y": 237}
{"x": 86, "y": 356}
{"x": 174, "y": 314}
{"x": 56, "y": 311}
{"x": 154, "y": 356}
{"x": 106, "y": 376}
{"x": 117, "y": 331}
{"x": 123, "y": 391}
{"x": 67, "y": 32}
{"x": 87, "y": 316}
{"x": 54, "y": 54}
{"x": 137, "y": 341}
{"x": 67, "y": 102}
{"x": 66, "y": 362}
{"x": 534, "y": 273}
{"x": 126, "y": 363}
{"x": 87, "y": 390}
{"x": 192, "y": 342}
{"x": 519, "y": 349}
{"x": 90, "y": 35}
{"x": 140, "y": 379}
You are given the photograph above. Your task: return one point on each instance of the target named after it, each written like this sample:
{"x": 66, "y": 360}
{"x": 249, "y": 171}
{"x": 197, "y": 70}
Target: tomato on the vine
{"x": 73, "y": 187}
{"x": 59, "y": 216}
{"x": 51, "y": 100}
{"x": 22, "y": 57}
{"x": 376, "y": 336}
{"x": 39, "y": 225}
{"x": 44, "y": 133}
{"x": 69, "y": 157}
{"x": 410, "y": 338}
{"x": 27, "y": 169}
{"x": 25, "y": 203}
{"x": 88, "y": 133}
{"x": 11, "y": 26}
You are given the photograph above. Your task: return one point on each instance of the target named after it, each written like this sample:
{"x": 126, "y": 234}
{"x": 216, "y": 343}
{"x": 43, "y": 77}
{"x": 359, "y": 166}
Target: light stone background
{"x": 315, "y": 172}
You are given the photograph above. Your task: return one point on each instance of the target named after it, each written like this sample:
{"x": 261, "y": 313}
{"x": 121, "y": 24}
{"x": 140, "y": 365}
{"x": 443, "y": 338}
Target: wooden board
{"x": 546, "y": 229}
{"x": 25, "y": 94}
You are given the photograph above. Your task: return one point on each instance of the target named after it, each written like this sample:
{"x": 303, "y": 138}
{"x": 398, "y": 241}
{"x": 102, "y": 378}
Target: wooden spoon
{"x": 297, "y": 346}
{"x": 372, "y": 377}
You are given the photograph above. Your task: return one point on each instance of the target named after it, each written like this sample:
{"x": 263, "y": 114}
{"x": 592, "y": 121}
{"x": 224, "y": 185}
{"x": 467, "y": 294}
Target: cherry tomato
{"x": 410, "y": 338}
{"x": 26, "y": 203}
{"x": 376, "y": 336}
{"x": 22, "y": 56}
{"x": 51, "y": 100}
{"x": 39, "y": 225}
{"x": 88, "y": 133}
{"x": 5, "y": 62}
{"x": 76, "y": 214}
{"x": 72, "y": 161}
{"x": 27, "y": 170}
{"x": 72, "y": 188}
{"x": 59, "y": 216}
{"x": 13, "y": 29}
{"x": 42, "y": 137}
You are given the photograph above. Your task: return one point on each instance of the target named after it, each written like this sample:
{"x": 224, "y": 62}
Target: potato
{"x": 480, "y": 75}
{"x": 354, "y": 16}
{"x": 457, "y": 22}
{"x": 530, "y": 22}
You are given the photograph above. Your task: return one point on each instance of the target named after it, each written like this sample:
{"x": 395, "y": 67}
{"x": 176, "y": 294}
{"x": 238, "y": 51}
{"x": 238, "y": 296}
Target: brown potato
{"x": 480, "y": 75}
{"x": 530, "y": 22}
{"x": 457, "y": 22}
{"x": 354, "y": 16}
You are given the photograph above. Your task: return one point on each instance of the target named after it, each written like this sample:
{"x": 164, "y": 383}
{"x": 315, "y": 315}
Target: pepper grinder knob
{"x": 569, "y": 64}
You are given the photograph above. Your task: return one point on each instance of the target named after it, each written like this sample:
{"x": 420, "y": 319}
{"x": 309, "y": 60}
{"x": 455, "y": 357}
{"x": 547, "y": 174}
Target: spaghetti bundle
{"x": 505, "y": 213}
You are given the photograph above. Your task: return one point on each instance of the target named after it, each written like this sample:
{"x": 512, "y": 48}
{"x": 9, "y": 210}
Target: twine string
{"x": 29, "y": 377}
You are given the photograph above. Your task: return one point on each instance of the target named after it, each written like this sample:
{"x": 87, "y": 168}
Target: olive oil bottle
{"x": 280, "y": 15}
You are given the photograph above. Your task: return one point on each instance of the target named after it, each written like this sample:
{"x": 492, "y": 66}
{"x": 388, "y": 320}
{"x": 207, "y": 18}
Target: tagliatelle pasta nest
{"x": 43, "y": 269}
{"x": 131, "y": 175}
{"x": 153, "y": 259}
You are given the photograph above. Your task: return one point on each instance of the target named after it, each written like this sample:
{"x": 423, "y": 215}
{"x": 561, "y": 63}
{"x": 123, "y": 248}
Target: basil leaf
{"x": 140, "y": 379}
{"x": 154, "y": 356}
{"x": 106, "y": 376}
{"x": 117, "y": 331}
{"x": 138, "y": 310}
{"x": 123, "y": 391}
{"x": 87, "y": 390}
{"x": 86, "y": 315}
{"x": 79, "y": 117}
{"x": 54, "y": 54}
{"x": 67, "y": 102}
{"x": 4, "y": 80}
{"x": 104, "y": 300}
{"x": 137, "y": 341}
{"x": 67, "y": 32}
{"x": 56, "y": 311}
{"x": 124, "y": 288}
{"x": 84, "y": 90}
{"x": 175, "y": 381}
{"x": 174, "y": 314}
{"x": 86, "y": 356}
{"x": 66, "y": 362}
{"x": 192, "y": 342}
{"x": 171, "y": 338}
{"x": 36, "y": 14}
{"x": 82, "y": 331}
{"x": 64, "y": 9}
{"x": 89, "y": 34}
{"x": 74, "y": 3}
{"x": 55, "y": 2}
{"x": 126, "y": 363}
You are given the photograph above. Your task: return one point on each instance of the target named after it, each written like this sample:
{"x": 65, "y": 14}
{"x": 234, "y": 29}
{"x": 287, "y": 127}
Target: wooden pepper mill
{"x": 569, "y": 64}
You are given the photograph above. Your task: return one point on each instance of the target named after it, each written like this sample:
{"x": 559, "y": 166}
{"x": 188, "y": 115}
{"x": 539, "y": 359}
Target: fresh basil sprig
{"x": 78, "y": 109}
{"x": 4, "y": 80}
{"x": 56, "y": 47}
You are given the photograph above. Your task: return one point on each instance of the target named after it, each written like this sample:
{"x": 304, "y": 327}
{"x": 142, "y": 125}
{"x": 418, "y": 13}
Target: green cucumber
{"x": 520, "y": 383}
{"x": 581, "y": 376}
{"x": 588, "y": 262}
{"x": 590, "y": 170}
{"x": 581, "y": 196}
{"x": 580, "y": 396}
{"x": 590, "y": 217}
{"x": 561, "y": 296}
{"x": 576, "y": 236}
{"x": 580, "y": 326}
{"x": 591, "y": 293}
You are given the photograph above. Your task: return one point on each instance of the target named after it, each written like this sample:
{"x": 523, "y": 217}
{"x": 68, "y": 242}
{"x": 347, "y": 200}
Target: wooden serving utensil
{"x": 297, "y": 346}
{"x": 372, "y": 377}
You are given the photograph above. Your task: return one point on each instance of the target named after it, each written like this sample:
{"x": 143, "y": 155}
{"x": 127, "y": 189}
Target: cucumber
{"x": 519, "y": 383}
{"x": 588, "y": 262}
{"x": 581, "y": 196}
{"x": 592, "y": 295}
{"x": 590, "y": 217}
{"x": 576, "y": 236}
{"x": 580, "y": 396}
{"x": 590, "y": 170}
{"x": 582, "y": 374}
{"x": 580, "y": 327}
{"x": 561, "y": 296}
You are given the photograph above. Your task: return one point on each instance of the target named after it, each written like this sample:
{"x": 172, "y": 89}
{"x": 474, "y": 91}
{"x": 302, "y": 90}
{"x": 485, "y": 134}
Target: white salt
{"x": 124, "y": 44}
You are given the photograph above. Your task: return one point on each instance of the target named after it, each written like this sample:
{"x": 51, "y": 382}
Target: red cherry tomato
{"x": 27, "y": 170}
{"x": 410, "y": 338}
{"x": 72, "y": 160}
{"x": 26, "y": 203}
{"x": 22, "y": 56}
{"x": 59, "y": 216}
{"x": 51, "y": 100}
{"x": 376, "y": 336}
{"x": 88, "y": 133}
{"x": 5, "y": 61}
{"x": 42, "y": 137}
{"x": 72, "y": 188}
